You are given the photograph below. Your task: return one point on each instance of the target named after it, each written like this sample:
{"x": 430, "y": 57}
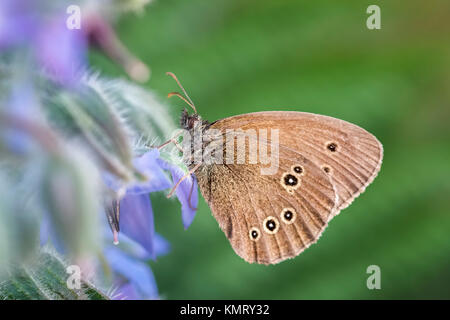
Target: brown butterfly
{"x": 322, "y": 165}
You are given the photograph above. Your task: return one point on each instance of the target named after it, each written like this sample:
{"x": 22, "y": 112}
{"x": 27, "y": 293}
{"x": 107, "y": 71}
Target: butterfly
{"x": 322, "y": 165}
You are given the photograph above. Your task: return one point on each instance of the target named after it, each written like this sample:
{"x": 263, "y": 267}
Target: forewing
{"x": 350, "y": 155}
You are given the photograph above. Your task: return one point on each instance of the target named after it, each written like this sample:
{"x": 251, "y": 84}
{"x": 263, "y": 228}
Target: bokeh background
{"x": 238, "y": 56}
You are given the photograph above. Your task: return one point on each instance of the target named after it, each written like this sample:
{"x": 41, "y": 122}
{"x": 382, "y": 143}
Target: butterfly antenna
{"x": 182, "y": 98}
{"x": 191, "y": 104}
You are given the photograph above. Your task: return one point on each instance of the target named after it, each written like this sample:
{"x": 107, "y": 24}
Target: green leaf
{"x": 70, "y": 191}
{"x": 84, "y": 113}
{"x": 46, "y": 279}
{"x": 116, "y": 118}
{"x": 146, "y": 118}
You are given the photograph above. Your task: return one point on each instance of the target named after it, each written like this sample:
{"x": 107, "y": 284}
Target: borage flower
{"x": 186, "y": 192}
{"x": 137, "y": 223}
{"x": 59, "y": 50}
{"x": 134, "y": 209}
{"x": 134, "y": 215}
{"x": 133, "y": 277}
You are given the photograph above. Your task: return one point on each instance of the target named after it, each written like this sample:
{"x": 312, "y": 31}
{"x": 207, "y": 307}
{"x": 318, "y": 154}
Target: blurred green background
{"x": 238, "y": 56}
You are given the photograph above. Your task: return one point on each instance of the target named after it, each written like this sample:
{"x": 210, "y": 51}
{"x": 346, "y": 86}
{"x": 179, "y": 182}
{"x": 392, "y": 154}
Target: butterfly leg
{"x": 172, "y": 140}
{"x": 182, "y": 178}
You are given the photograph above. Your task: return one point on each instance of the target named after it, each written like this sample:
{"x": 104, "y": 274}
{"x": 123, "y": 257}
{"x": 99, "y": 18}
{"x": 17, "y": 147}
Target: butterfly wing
{"x": 244, "y": 202}
{"x": 350, "y": 155}
{"x": 268, "y": 221}
{"x": 266, "y": 218}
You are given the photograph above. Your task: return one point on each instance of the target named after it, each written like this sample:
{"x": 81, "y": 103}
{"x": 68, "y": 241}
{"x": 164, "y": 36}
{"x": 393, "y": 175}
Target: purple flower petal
{"x": 18, "y": 22}
{"x": 149, "y": 165}
{"x": 136, "y": 220}
{"x": 131, "y": 247}
{"x": 111, "y": 181}
{"x": 162, "y": 246}
{"x": 187, "y": 192}
{"x": 61, "y": 51}
{"x": 138, "y": 273}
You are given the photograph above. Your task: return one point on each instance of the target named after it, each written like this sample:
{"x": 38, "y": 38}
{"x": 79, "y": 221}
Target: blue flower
{"x": 60, "y": 51}
{"x": 41, "y": 34}
{"x": 62, "y": 59}
{"x": 187, "y": 192}
{"x": 149, "y": 165}
{"x": 139, "y": 242}
{"x": 135, "y": 209}
{"x": 136, "y": 215}
{"x": 136, "y": 220}
{"x": 133, "y": 278}
{"x": 40, "y": 27}
{"x": 137, "y": 224}
{"x": 17, "y": 22}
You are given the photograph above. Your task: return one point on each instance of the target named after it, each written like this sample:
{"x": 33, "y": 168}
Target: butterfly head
{"x": 188, "y": 121}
